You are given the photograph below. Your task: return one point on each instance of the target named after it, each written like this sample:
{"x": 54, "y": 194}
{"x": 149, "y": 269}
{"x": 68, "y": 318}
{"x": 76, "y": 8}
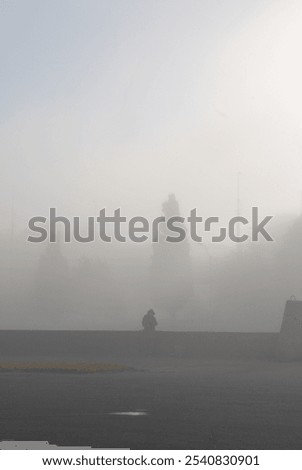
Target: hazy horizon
{"x": 119, "y": 104}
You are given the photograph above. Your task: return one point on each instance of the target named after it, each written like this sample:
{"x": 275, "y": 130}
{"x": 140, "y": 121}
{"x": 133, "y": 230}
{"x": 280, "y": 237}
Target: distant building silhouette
{"x": 171, "y": 269}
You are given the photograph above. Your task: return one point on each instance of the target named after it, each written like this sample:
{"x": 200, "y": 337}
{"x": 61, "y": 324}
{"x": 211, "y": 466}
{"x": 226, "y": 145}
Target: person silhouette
{"x": 149, "y": 321}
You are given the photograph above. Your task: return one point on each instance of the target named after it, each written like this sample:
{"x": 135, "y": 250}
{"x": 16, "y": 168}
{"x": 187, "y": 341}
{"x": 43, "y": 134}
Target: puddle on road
{"x": 130, "y": 413}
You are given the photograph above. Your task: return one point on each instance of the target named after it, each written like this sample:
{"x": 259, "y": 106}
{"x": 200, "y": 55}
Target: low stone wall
{"x": 290, "y": 338}
{"x": 97, "y": 344}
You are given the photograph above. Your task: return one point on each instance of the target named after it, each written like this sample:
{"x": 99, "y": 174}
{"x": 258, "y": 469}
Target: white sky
{"x": 119, "y": 103}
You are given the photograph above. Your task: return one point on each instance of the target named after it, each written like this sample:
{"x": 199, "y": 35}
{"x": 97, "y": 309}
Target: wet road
{"x": 173, "y": 404}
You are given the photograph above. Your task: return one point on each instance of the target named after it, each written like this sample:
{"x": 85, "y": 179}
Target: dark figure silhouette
{"x": 149, "y": 321}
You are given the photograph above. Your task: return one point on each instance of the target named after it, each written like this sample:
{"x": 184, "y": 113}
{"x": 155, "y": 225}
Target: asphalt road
{"x": 210, "y": 404}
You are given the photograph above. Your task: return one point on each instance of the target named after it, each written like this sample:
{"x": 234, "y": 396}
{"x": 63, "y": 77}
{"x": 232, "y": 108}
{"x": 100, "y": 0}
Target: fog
{"x": 121, "y": 104}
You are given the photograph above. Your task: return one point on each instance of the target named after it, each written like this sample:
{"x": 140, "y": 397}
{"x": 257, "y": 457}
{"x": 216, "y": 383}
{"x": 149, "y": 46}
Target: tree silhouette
{"x": 52, "y": 286}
